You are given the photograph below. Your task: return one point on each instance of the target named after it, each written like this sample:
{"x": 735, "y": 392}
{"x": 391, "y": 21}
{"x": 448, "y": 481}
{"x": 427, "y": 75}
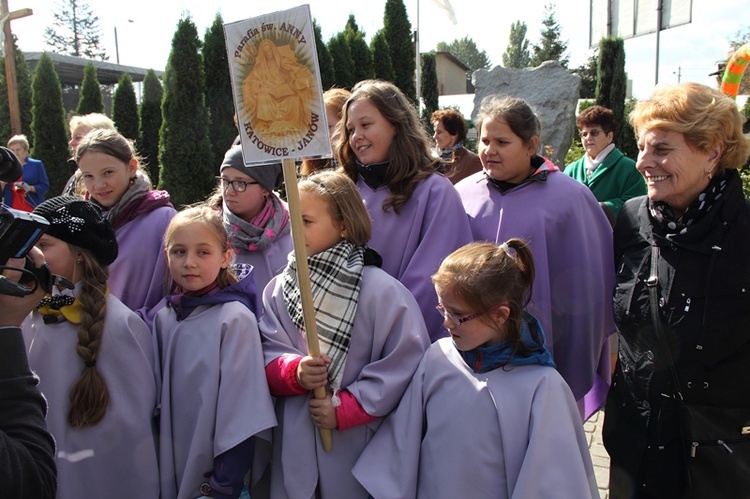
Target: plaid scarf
{"x": 335, "y": 279}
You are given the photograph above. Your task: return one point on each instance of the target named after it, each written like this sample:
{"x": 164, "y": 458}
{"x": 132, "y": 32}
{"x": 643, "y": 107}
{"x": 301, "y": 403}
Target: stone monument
{"x": 551, "y": 91}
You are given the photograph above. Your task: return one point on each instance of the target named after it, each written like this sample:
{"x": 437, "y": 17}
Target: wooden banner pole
{"x": 303, "y": 278}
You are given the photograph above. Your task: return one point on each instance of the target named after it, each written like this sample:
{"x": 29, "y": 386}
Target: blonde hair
{"x": 485, "y": 275}
{"x": 344, "y": 203}
{"x": 92, "y": 121}
{"x": 89, "y": 396}
{"x": 211, "y": 219}
{"x": 409, "y": 154}
{"x": 334, "y": 100}
{"x": 19, "y": 139}
{"x": 704, "y": 116}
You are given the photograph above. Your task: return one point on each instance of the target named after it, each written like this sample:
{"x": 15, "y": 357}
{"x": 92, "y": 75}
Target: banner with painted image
{"x": 276, "y": 86}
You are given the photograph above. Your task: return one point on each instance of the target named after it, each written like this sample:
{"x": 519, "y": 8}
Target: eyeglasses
{"x": 453, "y": 317}
{"x": 237, "y": 185}
{"x": 594, "y": 133}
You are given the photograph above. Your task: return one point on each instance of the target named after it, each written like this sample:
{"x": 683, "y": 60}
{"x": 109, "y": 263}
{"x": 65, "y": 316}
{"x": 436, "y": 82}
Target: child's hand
{"x": 312, "y": 372}
{"x": 322, "y": 412}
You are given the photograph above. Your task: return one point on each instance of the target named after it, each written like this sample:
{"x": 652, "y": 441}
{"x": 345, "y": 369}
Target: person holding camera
{"x": 27, "y": 450}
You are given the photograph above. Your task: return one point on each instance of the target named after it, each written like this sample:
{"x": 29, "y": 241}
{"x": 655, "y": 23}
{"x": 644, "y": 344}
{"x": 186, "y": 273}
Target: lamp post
{"x": 117, "y": 46}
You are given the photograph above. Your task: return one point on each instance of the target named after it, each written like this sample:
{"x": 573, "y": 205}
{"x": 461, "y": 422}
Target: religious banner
{"x": 276, "y": 86}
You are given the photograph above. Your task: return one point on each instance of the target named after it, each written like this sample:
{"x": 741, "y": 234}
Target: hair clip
{"x": 504, "y": 247}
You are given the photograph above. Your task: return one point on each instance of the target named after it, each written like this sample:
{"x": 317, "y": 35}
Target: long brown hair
{"x": 409, "y": 155}
{"x": 89, "y": 396}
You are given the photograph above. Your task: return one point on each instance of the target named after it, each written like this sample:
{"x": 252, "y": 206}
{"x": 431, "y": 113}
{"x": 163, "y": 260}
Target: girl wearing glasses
{"x": 372, "y": 337}
{"x": 486, "y": 413}
{"x": 521, "y": 194}
{"x": 112, "y": 174}
{"x": 255, "y": 218}
{"x": 605, "y": 170}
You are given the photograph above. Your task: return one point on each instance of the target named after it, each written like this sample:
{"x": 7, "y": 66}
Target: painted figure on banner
{"x": 277, "y": 91}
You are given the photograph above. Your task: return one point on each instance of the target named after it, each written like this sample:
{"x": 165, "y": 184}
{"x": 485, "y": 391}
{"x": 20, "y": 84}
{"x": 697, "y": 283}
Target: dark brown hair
{"x": 597, "y": 115}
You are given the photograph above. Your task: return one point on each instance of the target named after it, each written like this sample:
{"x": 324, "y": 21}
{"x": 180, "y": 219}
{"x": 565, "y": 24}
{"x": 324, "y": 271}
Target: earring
{"x": 709, "y": 174}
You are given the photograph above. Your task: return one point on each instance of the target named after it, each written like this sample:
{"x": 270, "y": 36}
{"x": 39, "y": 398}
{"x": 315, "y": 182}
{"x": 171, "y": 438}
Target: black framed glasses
{"x": 455, "y": 319}
{"x": 237, "y": 185}
{"x": 594, "y": 133}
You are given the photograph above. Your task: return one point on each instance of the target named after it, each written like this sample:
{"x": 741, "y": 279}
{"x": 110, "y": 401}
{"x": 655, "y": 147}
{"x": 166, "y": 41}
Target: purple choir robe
{"x": 269, "y": 262}
{"x": 139, "y": 275}
{"x": 214, "y": 393}
{"x": 510, "y": 432}
{"x": 388, "y": 340}
{"x": 116, "y": 457}
{"x": 429, "y": 227}
{"x": 571, "y": 241}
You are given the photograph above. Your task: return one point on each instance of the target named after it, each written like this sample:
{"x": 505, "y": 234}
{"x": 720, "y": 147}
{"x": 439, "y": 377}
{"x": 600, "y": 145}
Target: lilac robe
{"x": 214, "y": 393}
{"x": 269, "y": 262}
{"x": 388, "y": 340}
{"x": 138, "y": 276}
{"x": 571, "y": 241}
{"x": 429, "y": 227}
{"x": 510, "y": 432}
{"x": 116, "y": 457}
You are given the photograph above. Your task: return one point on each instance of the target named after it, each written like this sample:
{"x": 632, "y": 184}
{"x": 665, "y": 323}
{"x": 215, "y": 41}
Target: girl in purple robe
{"x": 94, "y": 359}
{"x": 372, "y": 336}
{"x": 214, "y": 395}
{"x": 255, "y": 218}
{"x": 486, "y": 414}
{"x": 112, "y": 175}
{"x": 521, "y": 194}
{"x": 417, "y": 216}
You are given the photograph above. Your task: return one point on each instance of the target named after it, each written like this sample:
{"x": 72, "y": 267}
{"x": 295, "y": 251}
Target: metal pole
{"x": 658, "y": 30}
{"x": 419, "y": 65}
{"x": 117, "y": 48}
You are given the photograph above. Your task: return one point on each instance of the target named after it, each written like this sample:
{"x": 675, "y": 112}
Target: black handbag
{"x": 716, "y": 440}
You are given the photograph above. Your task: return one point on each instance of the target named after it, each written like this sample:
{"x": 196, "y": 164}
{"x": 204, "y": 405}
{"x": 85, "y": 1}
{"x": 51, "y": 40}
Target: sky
{"x": 145, "y": 29}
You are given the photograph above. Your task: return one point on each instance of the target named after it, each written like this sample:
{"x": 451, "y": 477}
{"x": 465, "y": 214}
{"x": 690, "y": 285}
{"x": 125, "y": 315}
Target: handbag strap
{"x": 653, "y": 290}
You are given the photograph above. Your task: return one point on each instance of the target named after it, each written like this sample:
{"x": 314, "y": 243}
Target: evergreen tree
{"x": 381, "y": 56}
{"x": 90, "y": 100}
{"x": 23, "y": 90}
{"x": 397, "y": 29}
{"x": 429, "y": 84}
{"x": 125, "y": 108}
{"x": 48, "y": 125}
{"x": 325, "y": 61}
{"x": 221, "y": 131}
{"x": 551, "y": 47}
{"x": 77, "y": 33}
{"x": 588, "y": 74}
{"x": 610, "y": 80}
{"x": 517, "y": 54}
{"x": 148, "y": 142}
{"x": 628, "y": 143}
{"x": 364, "y": 68}
{"x": 184, "y": 150}
{"x": 343, "y": 64}
{"x": 466, "y": 51}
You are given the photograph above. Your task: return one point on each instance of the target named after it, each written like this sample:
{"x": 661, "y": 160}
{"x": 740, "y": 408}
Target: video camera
{"x": 19, "y": 232}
